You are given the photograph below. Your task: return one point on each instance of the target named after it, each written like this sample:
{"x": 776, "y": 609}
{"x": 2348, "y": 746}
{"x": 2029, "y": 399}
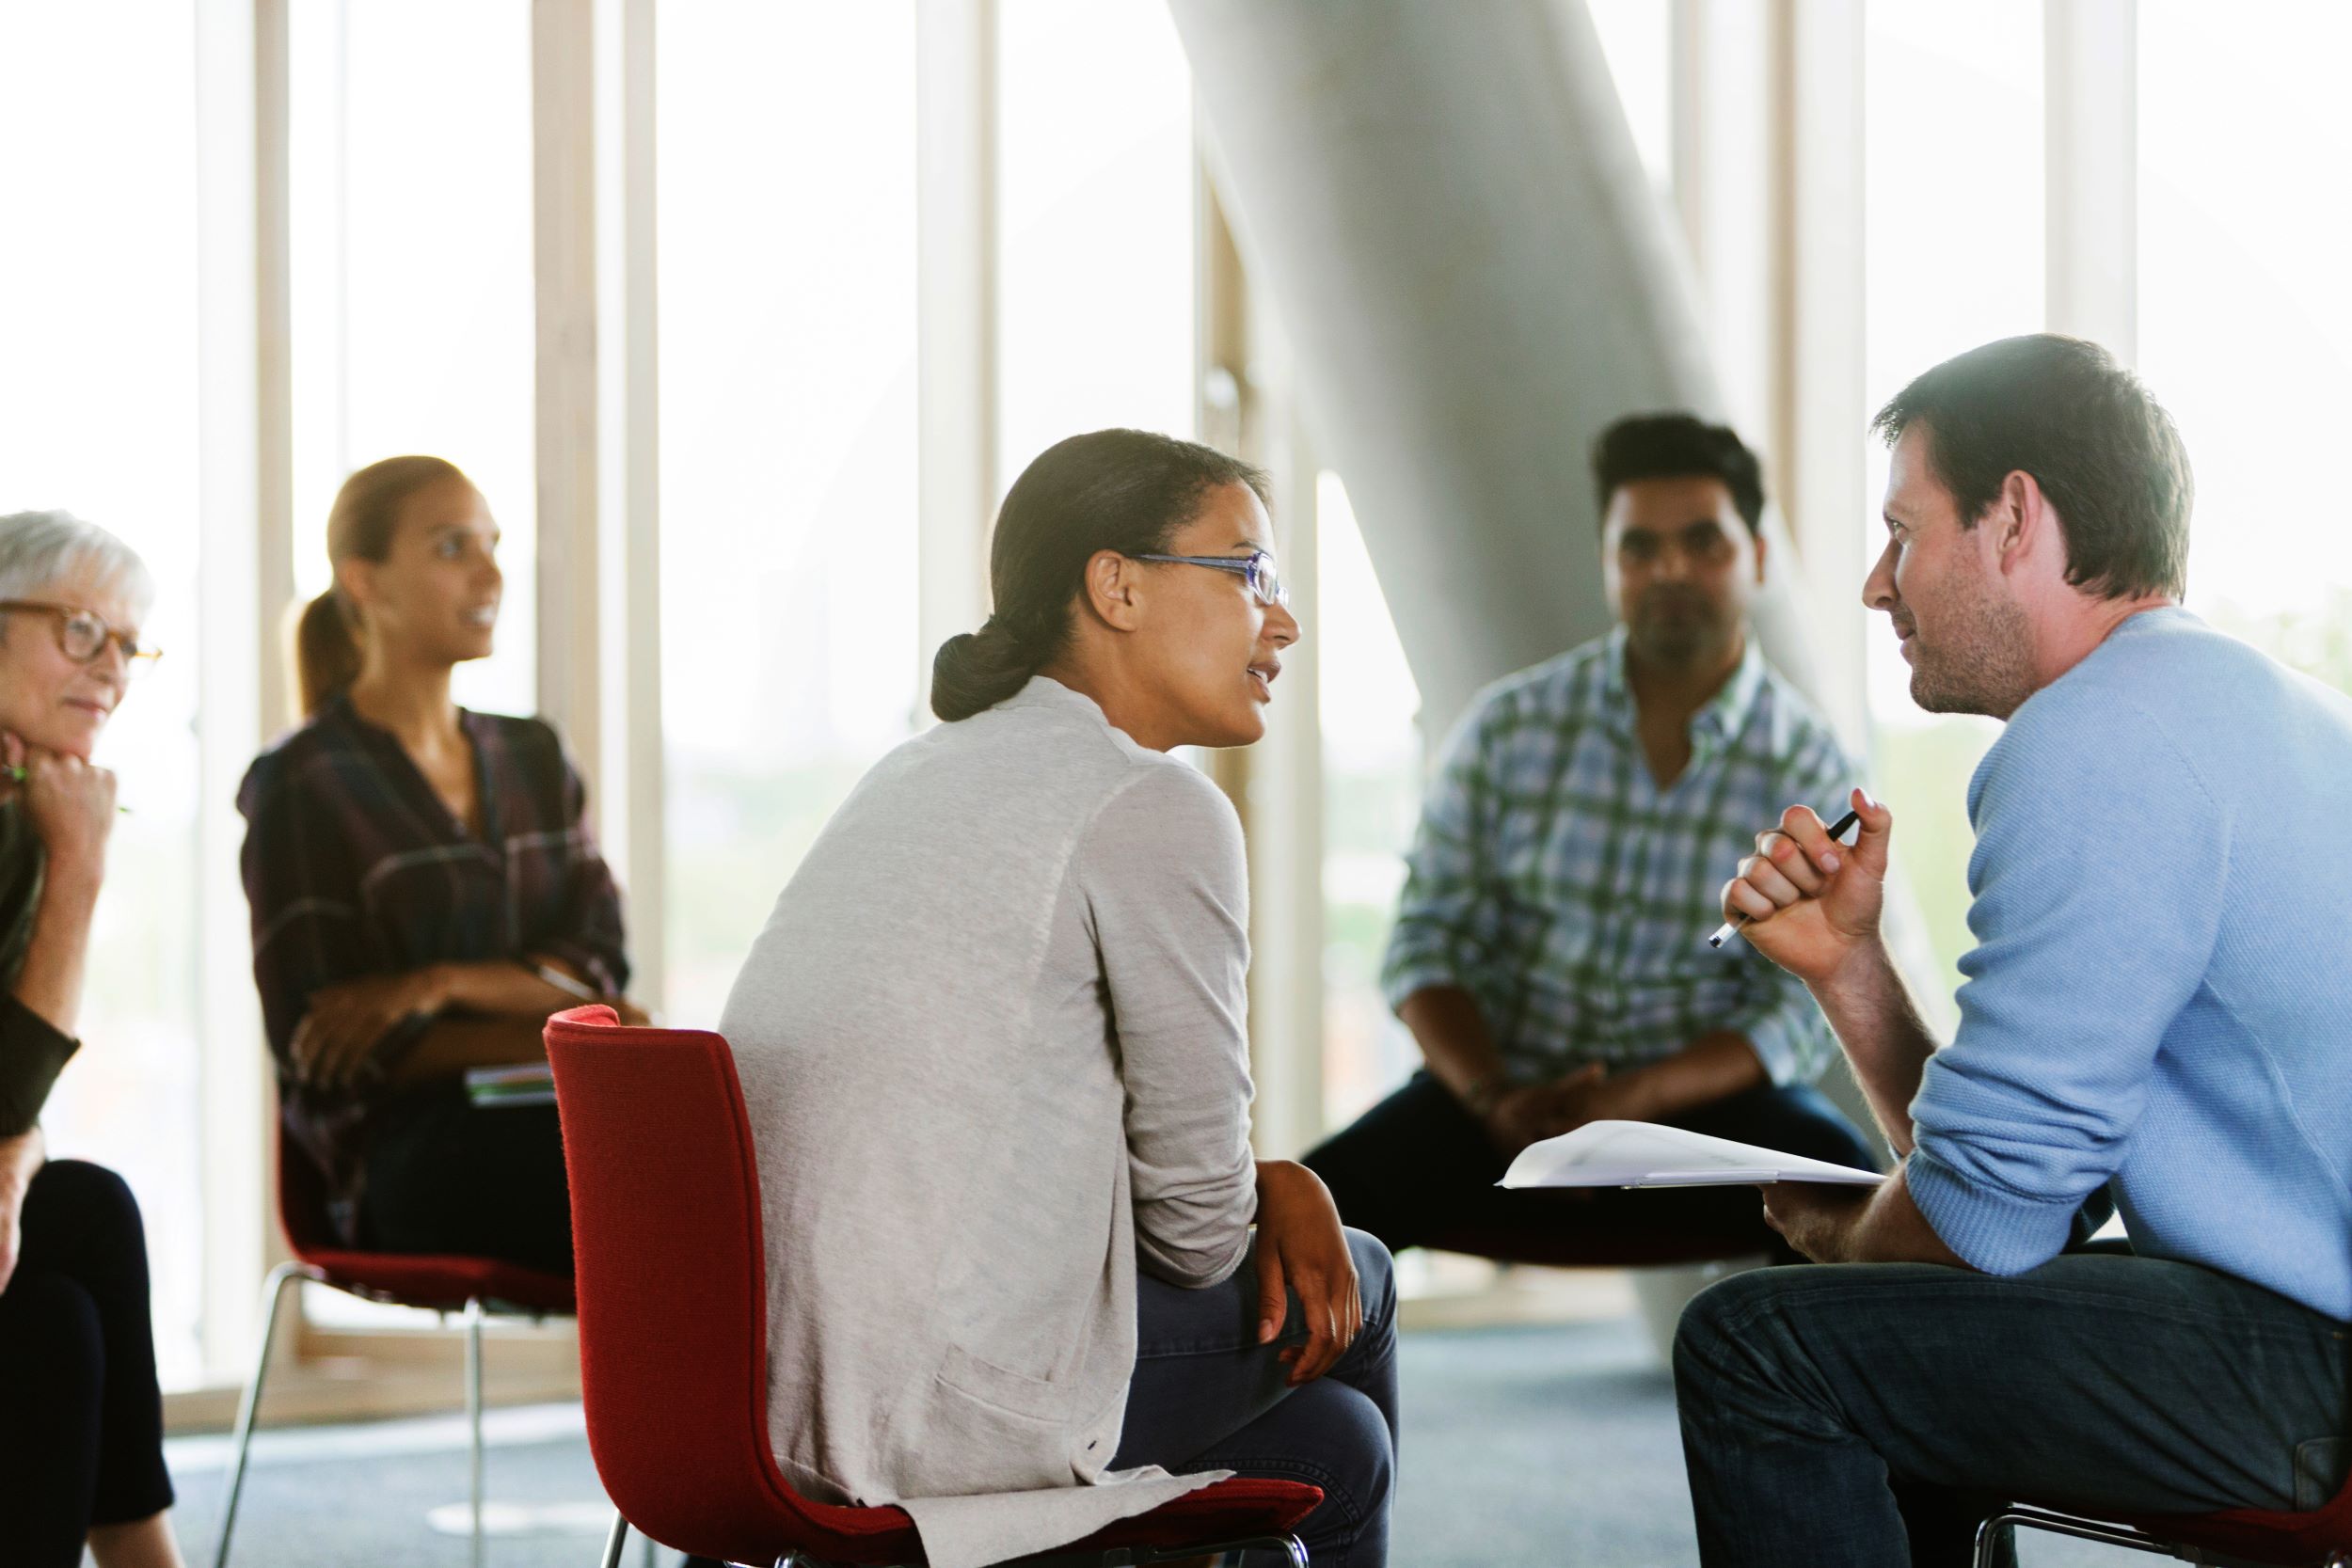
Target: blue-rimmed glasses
{"x": 1256, "y": 569}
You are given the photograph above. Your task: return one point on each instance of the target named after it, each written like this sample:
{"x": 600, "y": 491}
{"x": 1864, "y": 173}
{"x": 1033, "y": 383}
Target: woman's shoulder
{"x": 316, "y": 744}
{"x": 1163, "y": 801}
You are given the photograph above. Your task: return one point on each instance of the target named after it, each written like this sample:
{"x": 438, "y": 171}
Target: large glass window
{"x": 98, "y": 417}
{"x": 1372, "y": 776}
{"x": 1953, "y": 253}
{"x": 2246, "y": 323}
{"x": 1095, "y": 224}
{"x": 413, "y": 304}
{"x": 1637, "y": 36}
{"x": 786, "y": 172}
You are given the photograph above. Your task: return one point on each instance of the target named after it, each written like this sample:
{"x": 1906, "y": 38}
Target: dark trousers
{"x": 444, "y": 1176}
{"x": 1869, "y": 1415}
{"x": 81, "y": 1419}
{"x": 1418, "y": 1165}
{"x": 1207, "y": 1396}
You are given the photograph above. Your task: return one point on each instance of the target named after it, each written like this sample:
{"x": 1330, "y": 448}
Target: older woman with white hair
{"x": 81, "y": 1420}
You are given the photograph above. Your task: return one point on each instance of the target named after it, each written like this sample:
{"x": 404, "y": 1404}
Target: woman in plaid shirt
{"x": 424, "y": 891}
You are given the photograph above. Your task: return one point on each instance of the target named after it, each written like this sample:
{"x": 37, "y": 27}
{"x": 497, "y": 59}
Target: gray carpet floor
{"x": 1552, "y": 1445}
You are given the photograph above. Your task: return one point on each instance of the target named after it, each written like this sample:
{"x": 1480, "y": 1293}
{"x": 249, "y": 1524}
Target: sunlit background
{"x": 789, "y": 656}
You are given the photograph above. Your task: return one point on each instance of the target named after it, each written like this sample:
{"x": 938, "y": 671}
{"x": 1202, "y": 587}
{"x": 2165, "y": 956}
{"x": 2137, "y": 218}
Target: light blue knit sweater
{"x": 2160, "y": 995}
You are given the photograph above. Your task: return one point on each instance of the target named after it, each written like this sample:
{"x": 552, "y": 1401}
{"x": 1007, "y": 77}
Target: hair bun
{"x": 973, "y": 672}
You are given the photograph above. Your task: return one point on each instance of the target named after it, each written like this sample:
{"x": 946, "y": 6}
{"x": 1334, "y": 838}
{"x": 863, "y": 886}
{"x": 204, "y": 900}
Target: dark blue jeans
{"x": 1207, "y": 1396}
{"x": 1870, "y": 1414}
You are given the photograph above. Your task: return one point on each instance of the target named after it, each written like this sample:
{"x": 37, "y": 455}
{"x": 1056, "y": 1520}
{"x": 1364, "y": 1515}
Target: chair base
{"x": 2051, "y": 1522}
{"x": 274, "y": 1292}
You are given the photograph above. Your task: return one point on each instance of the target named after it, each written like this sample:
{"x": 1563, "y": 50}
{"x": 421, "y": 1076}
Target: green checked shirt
{"x": 1553, "y": 881}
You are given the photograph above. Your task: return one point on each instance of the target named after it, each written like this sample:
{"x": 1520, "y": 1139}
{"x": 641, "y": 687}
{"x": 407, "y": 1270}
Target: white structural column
{"x": 563, "y": 186}
{"x": 1819, "y": 381}
{"x": 2090, "y": 91}
{"x": 1447, "y": 209}
{"x": 955, "y": 317}
{"x": 245, "y": 583}
{"x": 630, "y": 481}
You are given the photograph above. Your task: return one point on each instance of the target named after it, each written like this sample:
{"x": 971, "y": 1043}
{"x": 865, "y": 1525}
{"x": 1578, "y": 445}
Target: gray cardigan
{"x": 993, "y": 1044}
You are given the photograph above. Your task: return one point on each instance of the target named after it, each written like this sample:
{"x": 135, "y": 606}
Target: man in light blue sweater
{"x": 2158, "y": 1009}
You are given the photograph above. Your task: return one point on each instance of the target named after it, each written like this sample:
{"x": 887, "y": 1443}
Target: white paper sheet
{"x": 1643, "y": 1154}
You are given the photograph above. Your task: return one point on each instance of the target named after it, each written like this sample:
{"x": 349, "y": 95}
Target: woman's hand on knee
{"x": 1302, "y": 1251}
{"x": 21, "y": 1159}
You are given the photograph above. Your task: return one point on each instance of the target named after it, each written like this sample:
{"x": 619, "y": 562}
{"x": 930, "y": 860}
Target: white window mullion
{"x": 2090, "y": 65}
{"x": 955, "y": 308}
{"x": 246, "y": 566}
{"x": 629, "y": 589}
{"x": 563, "y": 186}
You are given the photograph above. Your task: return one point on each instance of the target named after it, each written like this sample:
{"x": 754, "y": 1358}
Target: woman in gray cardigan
{"x": 993, "y": 1044}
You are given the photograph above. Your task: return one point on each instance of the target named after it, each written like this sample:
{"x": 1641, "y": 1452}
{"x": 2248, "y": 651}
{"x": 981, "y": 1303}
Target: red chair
{"x": 673, "y": 1328}
{"x": 474, "y": 1286}
{"x": 2320, "y": 1538}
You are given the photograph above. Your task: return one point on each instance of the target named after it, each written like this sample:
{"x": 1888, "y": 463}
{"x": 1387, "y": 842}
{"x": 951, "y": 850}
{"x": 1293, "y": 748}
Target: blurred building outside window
{"x": 1095, "y": 248}
{"x": 2245, "y": 318}
{"x": 786, "y": 149}
{"x": 413, "y": 313}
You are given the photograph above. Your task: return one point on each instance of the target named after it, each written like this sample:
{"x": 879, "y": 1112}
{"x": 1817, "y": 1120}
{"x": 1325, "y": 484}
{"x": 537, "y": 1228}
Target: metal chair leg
{"x": 1989, "y": 1532}
{"x": 272, "y": 1296}
{"x": 616, "y": 1541}
{"x": 473, "y": 1413}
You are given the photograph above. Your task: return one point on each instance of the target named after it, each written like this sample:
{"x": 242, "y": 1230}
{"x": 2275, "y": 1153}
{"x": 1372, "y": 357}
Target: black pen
{"x": 1724, "y": 932}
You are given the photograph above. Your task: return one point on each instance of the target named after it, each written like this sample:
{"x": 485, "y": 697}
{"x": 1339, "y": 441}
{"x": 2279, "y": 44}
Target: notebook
{"x": 1643, "y": 1154}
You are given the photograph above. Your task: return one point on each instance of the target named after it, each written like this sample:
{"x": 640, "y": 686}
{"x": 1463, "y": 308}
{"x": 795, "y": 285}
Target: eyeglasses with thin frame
{"x": 1256, "y": 569}
{"x": 83, "y": 634}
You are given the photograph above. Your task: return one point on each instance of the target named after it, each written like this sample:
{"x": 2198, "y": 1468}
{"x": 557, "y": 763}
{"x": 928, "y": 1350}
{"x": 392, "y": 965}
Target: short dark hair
{"x": 1124, "y": 490}
{"x": 2102, "y": 449}
{"x": 1679, "y": 445}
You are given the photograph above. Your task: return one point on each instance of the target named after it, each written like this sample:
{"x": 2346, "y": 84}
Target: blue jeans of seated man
{"x": 1207, "y": 1396}
{"x": 1869, "y": 1415}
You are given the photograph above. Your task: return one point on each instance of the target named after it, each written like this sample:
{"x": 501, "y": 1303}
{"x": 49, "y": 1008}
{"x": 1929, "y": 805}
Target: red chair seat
{"x": 2314, "y": 1540}
{"x": 441, "y": 1283}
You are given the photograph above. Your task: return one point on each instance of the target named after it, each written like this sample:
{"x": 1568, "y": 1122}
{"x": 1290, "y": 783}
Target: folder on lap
{"x": 1643, "y": 1154}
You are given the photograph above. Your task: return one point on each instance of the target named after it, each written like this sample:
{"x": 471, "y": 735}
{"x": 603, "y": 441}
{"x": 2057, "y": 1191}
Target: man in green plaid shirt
{"x": 1551, "y": 952}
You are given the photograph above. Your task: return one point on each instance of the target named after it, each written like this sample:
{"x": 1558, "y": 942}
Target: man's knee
{"x": 1725, "y": 1314}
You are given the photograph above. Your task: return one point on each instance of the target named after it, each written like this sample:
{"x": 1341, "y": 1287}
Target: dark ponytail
{"x": 359, "y": 526}
{"x": 1124, "y": 490}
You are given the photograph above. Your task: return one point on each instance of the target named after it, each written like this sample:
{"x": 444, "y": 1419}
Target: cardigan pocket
{"x": 1036, "y": 1398}
{"x": 974, "y": 1427}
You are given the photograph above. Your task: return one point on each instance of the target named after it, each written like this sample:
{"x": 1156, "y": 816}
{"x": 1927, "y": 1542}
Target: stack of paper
{"x": 533, "y": 1084}
{"x": 1643, "y": 1154}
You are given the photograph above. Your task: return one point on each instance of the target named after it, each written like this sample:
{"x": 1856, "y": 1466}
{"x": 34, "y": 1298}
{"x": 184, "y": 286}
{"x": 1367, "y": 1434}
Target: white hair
{"x": 39, "y": 548}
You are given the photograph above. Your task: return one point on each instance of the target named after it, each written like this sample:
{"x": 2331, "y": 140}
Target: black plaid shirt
{"x": 355, "y": 866}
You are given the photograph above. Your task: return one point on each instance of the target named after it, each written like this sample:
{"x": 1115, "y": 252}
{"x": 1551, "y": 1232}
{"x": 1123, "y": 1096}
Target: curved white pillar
{"x": 1476, "y": 277}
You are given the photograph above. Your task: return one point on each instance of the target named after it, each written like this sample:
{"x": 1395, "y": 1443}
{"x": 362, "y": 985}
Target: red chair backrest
{"x": 672, "y": 1278}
